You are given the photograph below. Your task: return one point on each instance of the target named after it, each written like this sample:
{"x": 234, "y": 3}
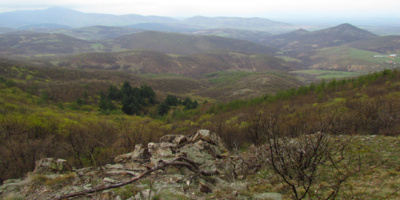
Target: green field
{"x": 350, "y": 53}
{"x": 350, "y": 59}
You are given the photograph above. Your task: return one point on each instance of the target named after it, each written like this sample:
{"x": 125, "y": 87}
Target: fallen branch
{"x": 189, "y": 164}
{"x": 121, "y": 172}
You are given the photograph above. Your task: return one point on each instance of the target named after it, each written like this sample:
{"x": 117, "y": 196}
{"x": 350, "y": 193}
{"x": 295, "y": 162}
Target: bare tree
{"x": 304, "y": 155}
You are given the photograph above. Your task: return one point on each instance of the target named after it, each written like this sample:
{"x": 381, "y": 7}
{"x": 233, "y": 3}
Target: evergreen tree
{"x": 114, "y": 93}
{"x": 105, "y": 103}
{"x": 148, "y": 94}
{"x": 130, "y": 105}
{"x": 85, "y": 97}
{"x": 126, "y": 89}
{"x": 163, "y": 108}
{"x": 189, "y": 104}
{"x": 171, "y": 100}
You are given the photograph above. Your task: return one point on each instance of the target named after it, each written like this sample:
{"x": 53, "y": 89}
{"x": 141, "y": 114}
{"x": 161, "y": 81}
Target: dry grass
{"x": 379, "y": 177}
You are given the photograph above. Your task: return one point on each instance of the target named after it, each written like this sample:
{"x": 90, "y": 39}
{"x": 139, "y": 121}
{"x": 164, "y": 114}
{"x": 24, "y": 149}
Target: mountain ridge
{"x": 187, "y": 44}
{"x": 301, "y": 40}
{"x": 73, "y": 18}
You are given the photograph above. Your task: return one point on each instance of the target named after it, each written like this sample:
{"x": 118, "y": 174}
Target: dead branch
{"x": 121, "y": 172}
{"x": 189, "y": 164}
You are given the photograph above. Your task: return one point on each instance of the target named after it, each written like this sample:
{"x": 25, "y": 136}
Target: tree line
{"x": 137, "y": 100}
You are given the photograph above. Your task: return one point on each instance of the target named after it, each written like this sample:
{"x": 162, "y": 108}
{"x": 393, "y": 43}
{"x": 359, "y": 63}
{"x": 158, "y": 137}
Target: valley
{"x": 89, "y": 87}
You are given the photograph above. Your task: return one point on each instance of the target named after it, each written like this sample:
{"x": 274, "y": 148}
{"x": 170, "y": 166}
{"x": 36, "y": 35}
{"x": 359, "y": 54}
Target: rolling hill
{"x": 42, "y": 43}
{"x": 4, "y": 30}
{"x": 222, "y": 84}
{"x": 43, "y": 27}
{"x": 53, "y": 43}
{"x": 97, "y": 32}
{"x": 252, "y": 36}
{"x": 165, "y": 27}
{"x": 302, "y": 41}
{"x": 153, "y": 62}
{"x": 259, "y": 24}
{"x": 185, "y": 44}
{"x": 383, "y": 44}
{"x": 344, "y": 58}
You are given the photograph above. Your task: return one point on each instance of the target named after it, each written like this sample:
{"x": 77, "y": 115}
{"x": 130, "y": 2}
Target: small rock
{"x": 268, "y": 196}
{"x": 168, "y": 138}
{"x": 109, "y": 180}
{"x": 202, "y": 135}
{"x": 116, "y": 166}
{"x": 180, "y": 139}
{"x": 118, "y": 198}
{"x": 123, "y": 158}
{"x": 87, "y": 187}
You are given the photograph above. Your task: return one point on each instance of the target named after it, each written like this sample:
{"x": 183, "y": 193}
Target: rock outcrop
{"x": 193, "y": 167}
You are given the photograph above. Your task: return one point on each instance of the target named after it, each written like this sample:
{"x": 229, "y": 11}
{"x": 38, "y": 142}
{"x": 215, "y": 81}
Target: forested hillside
{"x": 80, "y": 131}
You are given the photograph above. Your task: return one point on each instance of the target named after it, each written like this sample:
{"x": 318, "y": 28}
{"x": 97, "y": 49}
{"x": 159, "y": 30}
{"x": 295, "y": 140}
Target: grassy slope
{"x": 379, "y": 178}
{"x": 354, "y": 101}
{"x": 155, "y": 62}
{"x": 39, "y": 114}
{"x": 65, "y": 84}
{"x": 348, "y": 59}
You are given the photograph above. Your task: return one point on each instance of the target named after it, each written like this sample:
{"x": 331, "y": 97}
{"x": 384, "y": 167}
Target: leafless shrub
{"x": 312, "y": 163}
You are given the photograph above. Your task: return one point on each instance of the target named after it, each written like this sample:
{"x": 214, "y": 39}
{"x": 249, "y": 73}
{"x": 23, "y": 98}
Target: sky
{"x": 213, "y": 8}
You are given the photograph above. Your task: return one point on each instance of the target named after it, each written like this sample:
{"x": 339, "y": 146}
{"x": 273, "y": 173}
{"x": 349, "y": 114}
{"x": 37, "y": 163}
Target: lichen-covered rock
{"x": 123, "y": 158}
{"x": 267, "y": 196}
{"x": 140, "y": 154}
{"x": 204, "y": 148}
{"x": 51, "y": 166}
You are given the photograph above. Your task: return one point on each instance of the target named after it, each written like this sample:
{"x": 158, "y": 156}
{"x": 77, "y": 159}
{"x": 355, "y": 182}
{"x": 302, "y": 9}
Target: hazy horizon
{"x": 284, "y": 9}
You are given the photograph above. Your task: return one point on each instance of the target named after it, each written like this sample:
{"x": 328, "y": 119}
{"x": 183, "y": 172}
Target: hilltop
{"x": 45, "y": 43}
{"x": 302, "y": 41}
{"x": 186, "y": 44}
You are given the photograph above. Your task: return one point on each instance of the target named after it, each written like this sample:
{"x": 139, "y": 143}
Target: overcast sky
{"x": 239, "y": 8}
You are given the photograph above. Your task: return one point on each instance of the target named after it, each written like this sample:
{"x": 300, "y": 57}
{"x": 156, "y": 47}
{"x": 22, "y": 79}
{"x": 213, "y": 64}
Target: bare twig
{"x": 191, "y": 165}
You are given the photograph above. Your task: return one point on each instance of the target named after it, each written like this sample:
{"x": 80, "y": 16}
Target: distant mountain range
{"x": 63, "y": 17}
{"x": 45, "y": 40}
{"x": 72, "y": 18}
{"x": 197, "y": 45}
